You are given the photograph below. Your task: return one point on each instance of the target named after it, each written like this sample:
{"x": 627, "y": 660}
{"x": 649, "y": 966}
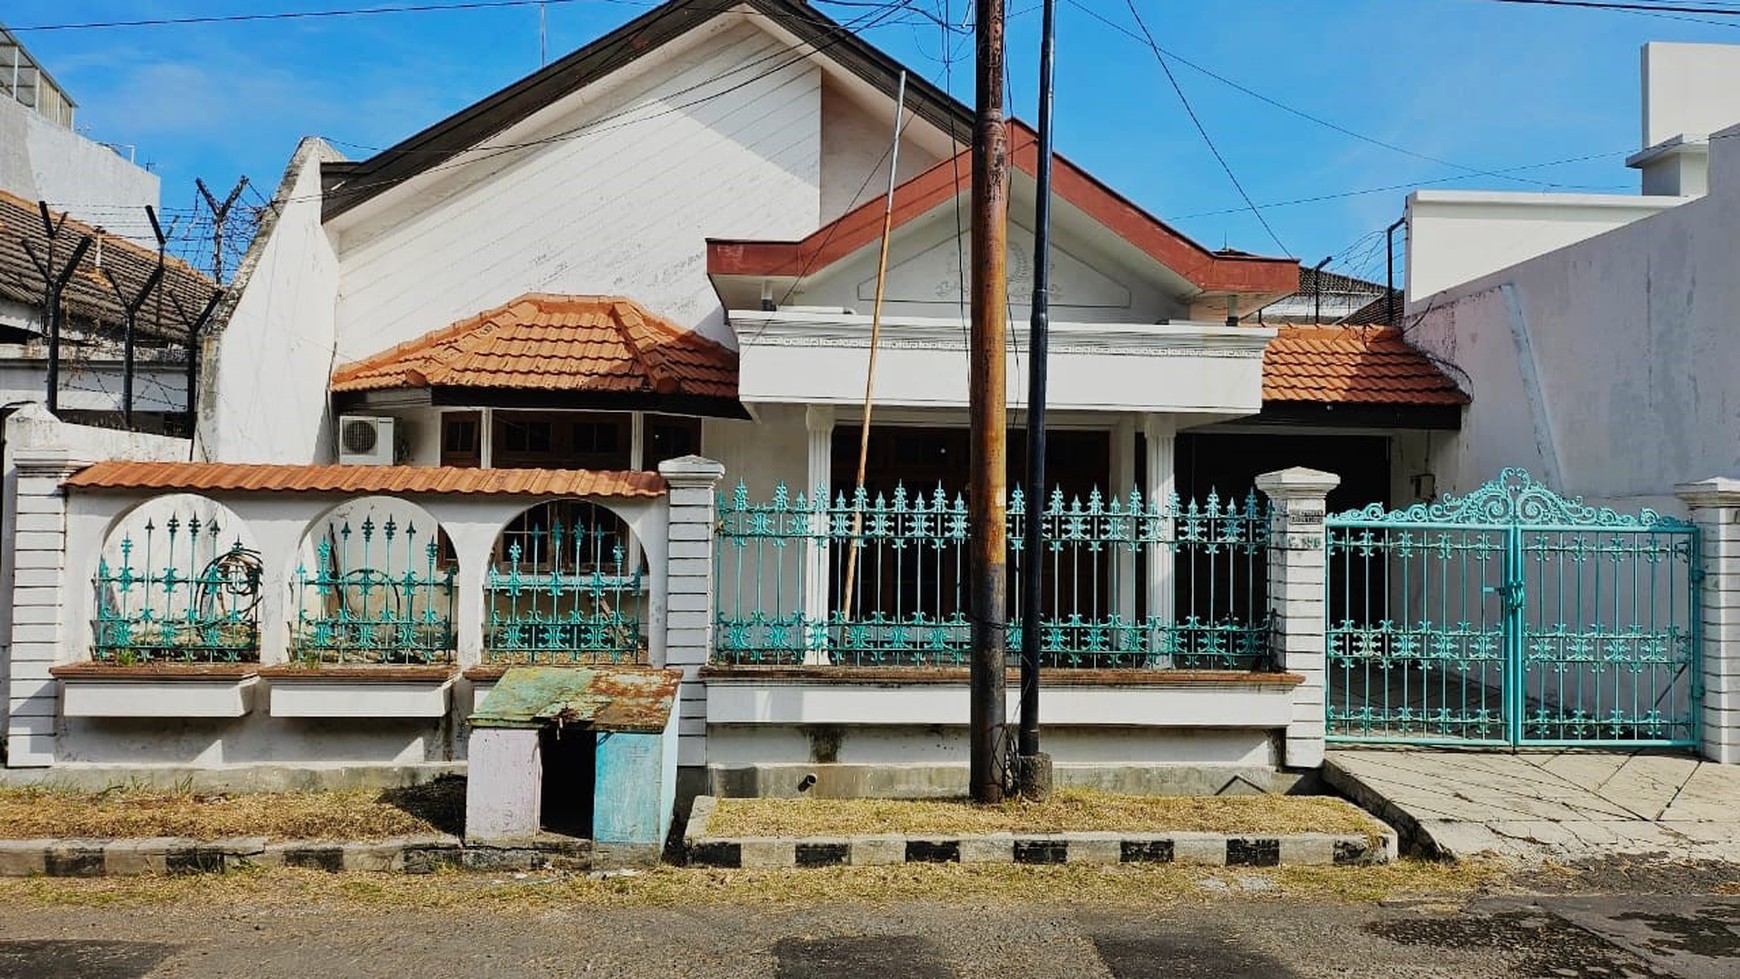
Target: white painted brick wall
{"x": 38, "y": 603}
{"x": 693, "y": 483}
{"x": 1297, "y": 574}
{"x": 1715, "y": 508}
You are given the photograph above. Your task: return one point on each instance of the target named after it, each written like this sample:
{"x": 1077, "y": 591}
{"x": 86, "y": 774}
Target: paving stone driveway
{"x": 1545, "y": 804}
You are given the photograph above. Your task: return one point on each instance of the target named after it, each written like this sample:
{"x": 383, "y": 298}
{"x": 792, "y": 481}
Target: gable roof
{"x": 1353, "y": 365}
{"x": 354, "y": 183}
{"x": 577, "y": 344}
{"x": 89, "y": 300}
{"x": 1210, "y": 271}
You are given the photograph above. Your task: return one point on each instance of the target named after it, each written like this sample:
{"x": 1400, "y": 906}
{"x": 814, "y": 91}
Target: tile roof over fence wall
{"x": 208, "y": 477}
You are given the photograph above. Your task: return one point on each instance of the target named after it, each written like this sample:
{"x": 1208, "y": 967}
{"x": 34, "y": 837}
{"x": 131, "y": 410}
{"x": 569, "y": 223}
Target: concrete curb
{"x": 1198, "y": 849}
{"x": 1414, "y": 838}
{"x": 167, "y": 855}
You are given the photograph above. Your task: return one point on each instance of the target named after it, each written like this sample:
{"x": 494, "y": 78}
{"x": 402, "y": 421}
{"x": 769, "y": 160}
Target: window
{"x": 560, "y": 440}
{"x": 527, "y": 436}
{"x": 459, "y": 439}
{"x": 667, "y": 437}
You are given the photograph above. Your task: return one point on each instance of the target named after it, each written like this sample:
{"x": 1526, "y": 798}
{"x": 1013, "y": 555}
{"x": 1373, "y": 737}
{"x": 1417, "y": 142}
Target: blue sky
{"x": 1480, "y": 84}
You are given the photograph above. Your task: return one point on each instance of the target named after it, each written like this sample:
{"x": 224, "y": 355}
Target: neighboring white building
{"x": 43, "y": 157}
{"x": 1597, "y": 334}
{"x": 1456, "y": 236}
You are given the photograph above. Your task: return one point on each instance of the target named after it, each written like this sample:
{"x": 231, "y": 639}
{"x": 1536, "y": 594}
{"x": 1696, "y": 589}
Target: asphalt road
{"x": 1235, "y": 937}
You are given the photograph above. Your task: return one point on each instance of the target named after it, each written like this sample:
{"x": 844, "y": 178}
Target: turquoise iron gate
{"x": 1512, "y": 616}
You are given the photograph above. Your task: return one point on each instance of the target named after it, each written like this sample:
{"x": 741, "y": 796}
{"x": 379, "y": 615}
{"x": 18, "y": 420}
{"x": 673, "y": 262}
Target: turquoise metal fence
{"x": 378, "y": 594}
{"x": 178, "y": 593}
{"x": 1513, "y": 616}
{"x": 783, "y": 597}
{"x": 564, "y": 591}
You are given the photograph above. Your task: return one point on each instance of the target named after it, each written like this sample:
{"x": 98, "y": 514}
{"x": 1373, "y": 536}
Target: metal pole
{"x": 1317, "y": 289}
{"x": 1390, "y": 271}
{"x": 987, "y": 508}
{"x": 1032, "y": 767}
{"x": 130, "y": 308}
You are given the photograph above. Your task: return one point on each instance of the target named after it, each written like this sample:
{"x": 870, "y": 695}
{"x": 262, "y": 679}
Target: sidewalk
{"x": 1547, "y": 804}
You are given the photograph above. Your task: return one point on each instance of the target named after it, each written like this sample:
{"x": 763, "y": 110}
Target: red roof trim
{"x": 853, "y": 230}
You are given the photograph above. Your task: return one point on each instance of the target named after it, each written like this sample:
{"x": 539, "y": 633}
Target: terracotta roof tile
{"x": 1353, "y": 365}
{"x": 89, "y": 297}
{"x": 555, "y": 343}
{"x": 202, "y": 477}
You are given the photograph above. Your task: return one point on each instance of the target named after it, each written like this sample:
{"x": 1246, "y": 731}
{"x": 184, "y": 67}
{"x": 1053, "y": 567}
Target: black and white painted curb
{"x": 1196, "y": 849}
{"x": 166, "y": 855}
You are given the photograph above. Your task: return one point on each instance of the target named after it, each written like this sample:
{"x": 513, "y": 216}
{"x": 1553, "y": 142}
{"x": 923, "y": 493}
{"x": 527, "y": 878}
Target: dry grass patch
{"x": 1073, "y": 811}
{"x": 130, "y": 811}
{"x": 1151, "y": 887}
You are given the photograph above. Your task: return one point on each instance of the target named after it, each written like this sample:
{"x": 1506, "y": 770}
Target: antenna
{"x": 543, "y": 35}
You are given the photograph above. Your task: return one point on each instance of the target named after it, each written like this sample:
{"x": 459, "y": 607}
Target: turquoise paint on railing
{"x": 565, "y": 595}
{"x": 1513, "y": 616}
{"x": 375, "y": 595}
{"x": 178, "y": 594}
{"x": 908, "y": 607}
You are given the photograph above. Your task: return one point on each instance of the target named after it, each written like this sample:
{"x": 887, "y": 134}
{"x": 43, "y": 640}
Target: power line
{"x": 1669, "y": 8}
{"x": 1295, "y": 110}
{"x": 1201, "y": 131}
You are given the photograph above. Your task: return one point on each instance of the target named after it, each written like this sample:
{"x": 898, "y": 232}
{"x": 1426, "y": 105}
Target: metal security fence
{"x": 379, "y": 594}
{"x": 1513, "y": 616}
{"x": 563, "y": 590}
{"x": 178, "y": 593}
{"x": 1128, "y": 582}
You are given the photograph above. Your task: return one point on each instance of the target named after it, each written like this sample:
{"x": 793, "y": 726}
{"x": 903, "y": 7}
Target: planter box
{"x": 362, "y": 691}
{"x": 165, "y": 690}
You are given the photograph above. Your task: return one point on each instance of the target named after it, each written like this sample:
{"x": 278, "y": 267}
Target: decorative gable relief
{"x": 934, "y": 275}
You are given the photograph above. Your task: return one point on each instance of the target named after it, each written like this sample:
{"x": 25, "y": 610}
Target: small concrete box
{"x": 526, "y": 776}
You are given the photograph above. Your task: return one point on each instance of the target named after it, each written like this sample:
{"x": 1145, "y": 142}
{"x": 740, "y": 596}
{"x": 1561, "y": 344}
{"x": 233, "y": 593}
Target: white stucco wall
{"x": 1607, "y": 367}
{"x": 854, "y": 146}
{"x": 40, "y": 160}
{"x": 616, "y": 190}
{"x": 264, "y": 379}
{"x": 1456, "y": 236}
{"x": 1688, "y": 88}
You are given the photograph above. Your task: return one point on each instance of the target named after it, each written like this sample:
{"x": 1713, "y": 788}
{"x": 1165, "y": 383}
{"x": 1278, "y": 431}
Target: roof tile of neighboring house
{"x": 596, "y": 344}
{"x": 1353, "y": 365}
{"x": 89, "y": 299}
{"x": 209, "y": 477}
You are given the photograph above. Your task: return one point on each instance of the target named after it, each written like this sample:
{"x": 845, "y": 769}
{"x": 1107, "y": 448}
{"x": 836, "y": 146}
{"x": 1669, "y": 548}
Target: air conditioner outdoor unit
{"x": 365, "y": 440}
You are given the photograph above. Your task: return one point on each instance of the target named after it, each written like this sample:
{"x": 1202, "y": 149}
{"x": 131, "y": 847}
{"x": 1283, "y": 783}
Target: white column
{"x": 819, "y": 419}
{"x": 1297, "y": 566}
{"x": 38, "y": 531}
{"x": 693, "y": 484}
{"x": 1121, "y": 479}
{"x": 1159, "y": 482}
{"x": 1715, "y": 506}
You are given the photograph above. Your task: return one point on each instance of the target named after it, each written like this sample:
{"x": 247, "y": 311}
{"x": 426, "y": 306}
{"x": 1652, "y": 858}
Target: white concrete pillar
{"x": 1298, "y": 499}
{"x": 1159, "y": 482}
{"x": 38, "y": 528}
{"x": 1715, "y": 506}
{"x": 693, "y": 486}
{"x": 819, "y": 419}
{"x": 1121, "y": 479}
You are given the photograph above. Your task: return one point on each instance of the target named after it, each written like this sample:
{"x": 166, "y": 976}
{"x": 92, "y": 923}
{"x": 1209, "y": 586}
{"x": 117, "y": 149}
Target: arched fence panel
{"x": 178, "y": 581}
{"x": 375, "y": 583}
{"x": 566, "y": 584}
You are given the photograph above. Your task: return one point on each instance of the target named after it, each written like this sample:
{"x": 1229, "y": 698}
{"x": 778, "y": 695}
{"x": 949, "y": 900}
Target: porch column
{"x": 1715, "y": 507}
{"x": 38, "y": 529}
{"x": 1159, "y": 482}
{"x": 1122, "y": 479}
{"x": 693, "y": 483}
{"x": 1298, "y": 498}
{"x": 819, "y": 419}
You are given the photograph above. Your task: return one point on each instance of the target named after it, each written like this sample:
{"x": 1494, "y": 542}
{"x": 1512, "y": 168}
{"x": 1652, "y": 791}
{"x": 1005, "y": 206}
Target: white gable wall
{"x": 723, "y": 140}
{"x": 855, "y": 153}
{"x": 264, "y": 384}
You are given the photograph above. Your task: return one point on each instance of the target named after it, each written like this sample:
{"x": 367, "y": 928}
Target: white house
{"x": 576, "y": 376}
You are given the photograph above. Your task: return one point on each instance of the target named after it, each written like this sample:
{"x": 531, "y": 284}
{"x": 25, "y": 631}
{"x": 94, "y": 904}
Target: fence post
{"x": 1298, "y": 499}
{"x": 1715, "y": 509}
{"x": 693, "y": 484}
{"x": 37, "y": 526}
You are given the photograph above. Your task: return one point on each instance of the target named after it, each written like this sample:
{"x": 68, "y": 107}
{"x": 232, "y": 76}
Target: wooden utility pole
{"x": 988, "y": 574}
